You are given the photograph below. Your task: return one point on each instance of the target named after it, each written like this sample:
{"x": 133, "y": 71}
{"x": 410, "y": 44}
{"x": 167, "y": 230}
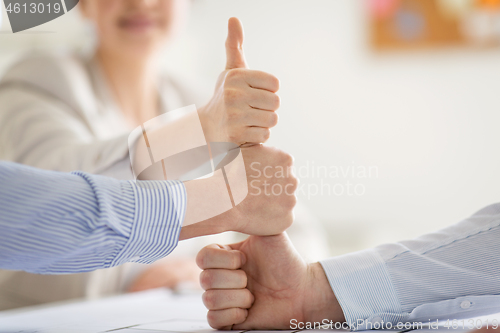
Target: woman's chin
{"x": 140, "y": 46}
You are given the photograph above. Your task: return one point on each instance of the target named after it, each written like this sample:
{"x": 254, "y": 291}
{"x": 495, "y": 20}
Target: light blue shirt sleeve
{"x": 453, "y": 273}
{"x": 57, "y": 223}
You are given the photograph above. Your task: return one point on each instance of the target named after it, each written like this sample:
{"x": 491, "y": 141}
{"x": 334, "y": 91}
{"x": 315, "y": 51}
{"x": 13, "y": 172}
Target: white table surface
{"x": 144, "y": 312}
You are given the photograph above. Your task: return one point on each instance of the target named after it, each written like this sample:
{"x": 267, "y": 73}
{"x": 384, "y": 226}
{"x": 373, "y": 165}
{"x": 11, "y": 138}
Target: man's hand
{"x": 266, "y": 210}
{"x": 242, "y": 108}
{"x": 262, "y": 283}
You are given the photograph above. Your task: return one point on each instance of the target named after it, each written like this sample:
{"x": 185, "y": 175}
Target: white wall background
{"x": 429, "y": 121}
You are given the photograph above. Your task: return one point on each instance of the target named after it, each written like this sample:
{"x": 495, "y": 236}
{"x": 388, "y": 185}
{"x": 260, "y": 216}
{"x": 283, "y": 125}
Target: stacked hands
{"x": 261, "y": 282}
{"x": 242, "y": 111}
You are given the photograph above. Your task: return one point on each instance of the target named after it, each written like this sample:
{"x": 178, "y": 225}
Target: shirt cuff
{"x": 364, "y": 290}
{"x": 160, "y": 207}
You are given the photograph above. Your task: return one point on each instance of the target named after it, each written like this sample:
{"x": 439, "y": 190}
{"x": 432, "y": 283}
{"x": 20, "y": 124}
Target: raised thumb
{"x": 234, "y": 45}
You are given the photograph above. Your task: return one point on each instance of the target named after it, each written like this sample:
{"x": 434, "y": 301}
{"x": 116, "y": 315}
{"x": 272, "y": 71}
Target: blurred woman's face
{"x": 138, "y": 27}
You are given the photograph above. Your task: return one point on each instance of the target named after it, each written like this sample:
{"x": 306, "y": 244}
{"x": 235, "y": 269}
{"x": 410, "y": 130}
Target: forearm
{"x": 55, "y": 223}
{"x": 400, "y": 282}
{"x": 320, "y": 303}
{"x": 212, "y": 226}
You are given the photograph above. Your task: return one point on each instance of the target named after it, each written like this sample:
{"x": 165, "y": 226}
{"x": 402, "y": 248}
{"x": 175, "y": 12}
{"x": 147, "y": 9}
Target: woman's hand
{"x": 243, "y": 107}
{"x": 167, "y": 273}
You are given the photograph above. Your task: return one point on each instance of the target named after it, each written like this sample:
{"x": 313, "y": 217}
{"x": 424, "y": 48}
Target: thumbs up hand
{"x": 243, "y": 107}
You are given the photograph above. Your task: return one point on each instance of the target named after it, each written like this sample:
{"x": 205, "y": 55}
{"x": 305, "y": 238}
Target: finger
{"x": 255, "y": 135}
{"x": 262, "y": 80}
{"x": 224, "y": 319}
{"x": 218, "y": 299}
{"x": 213, "y": 256}
{"x": 264, "y": 100}
{"x": 260, "y": 118}
{"x": 223, "y": 279}
{"x": 248, "y": 144}
{"x": 234, "y": 45}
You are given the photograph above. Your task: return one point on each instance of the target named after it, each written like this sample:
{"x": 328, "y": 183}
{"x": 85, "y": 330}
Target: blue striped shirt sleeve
{"x": 57, "y": 223}
{"x": 453, "y": 273}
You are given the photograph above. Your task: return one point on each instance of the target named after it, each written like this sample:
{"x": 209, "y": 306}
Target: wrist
{"x": 320, "y": 302}
{"x": 218, "y": 224}
{"x": 211, "y": 226}
{"x": 204, "y": 121}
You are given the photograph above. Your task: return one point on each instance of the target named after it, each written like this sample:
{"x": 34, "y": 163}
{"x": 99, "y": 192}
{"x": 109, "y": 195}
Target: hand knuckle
{"x": 230, "y": 75}
{"x": 233, "y": 115}
{"x": 206, "y": 279}
{"x": 200, "y": 259}
{"x": 208, "y": 298}
{"x": 233, "y": 74}
{"x": 234, "y": 137}
{"x": 289, "y": 204}
{"x": 276, "y": 102}
{"x": 277, "y": 84}
{"x": 273, "y": 119}
{"x": 265, "y": 135}
{"x": 239, "y": 315}
{"x": 249, "y": 298}
{"x": 289, "y": 221}
{"x": 234, "y": 261}
{"x": 287, "y": 160}
{"x": 243, "y": 278}
{"x": 213, "y": 319}
{"x": 230, "y": 95}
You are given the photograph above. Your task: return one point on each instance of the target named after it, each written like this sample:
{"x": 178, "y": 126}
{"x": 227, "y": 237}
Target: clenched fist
{"x": 262, "y": 283}
{"x": 243, "y": 107}
{"x": 262, "y": 212}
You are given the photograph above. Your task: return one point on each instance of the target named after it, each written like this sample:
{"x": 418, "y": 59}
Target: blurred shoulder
{"x": 64, "y": 77}
{"x": 44, "y": 68}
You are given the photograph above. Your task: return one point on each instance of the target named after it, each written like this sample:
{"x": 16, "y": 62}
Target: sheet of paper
{"x": 106, "y": 314}
{"x": 180, "y": 325}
